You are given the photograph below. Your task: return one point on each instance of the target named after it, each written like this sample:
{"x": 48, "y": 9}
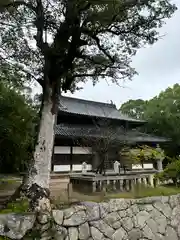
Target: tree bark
{"x": 35, "y": 185}
{"x": 39, "y": 172}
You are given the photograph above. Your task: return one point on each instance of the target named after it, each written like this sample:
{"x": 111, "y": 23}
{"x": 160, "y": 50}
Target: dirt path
{"x": 57, "y": 188}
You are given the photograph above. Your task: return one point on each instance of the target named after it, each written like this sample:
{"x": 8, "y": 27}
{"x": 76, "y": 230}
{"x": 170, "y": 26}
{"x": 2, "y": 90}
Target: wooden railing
{"x": 125, "y": 182}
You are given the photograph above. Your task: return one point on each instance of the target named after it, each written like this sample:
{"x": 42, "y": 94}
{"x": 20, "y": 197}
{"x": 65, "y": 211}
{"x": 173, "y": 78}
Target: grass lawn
{"x": 62, "y": 200}
{"x": 8, "y": 183}
{"x": 141, "y": 192}
{"x": 138, "y": 192}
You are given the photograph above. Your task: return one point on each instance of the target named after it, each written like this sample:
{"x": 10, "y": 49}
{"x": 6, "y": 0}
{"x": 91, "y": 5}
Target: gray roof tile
{"x": 73, "y": 131}
{"x": 91, "y": 108}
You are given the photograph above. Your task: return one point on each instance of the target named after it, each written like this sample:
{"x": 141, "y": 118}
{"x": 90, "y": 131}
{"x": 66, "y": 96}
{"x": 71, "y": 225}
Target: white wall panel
{"x": 136, "y": 166}
{"x": 62, "y": 150}
{"x": 78, "y": 167}
{"x": 145, "y": 166}
{"x": 82, "y": 150}
{"x": 75, "y": 167}
{"x": 61, "y": 168}
{"x": 148, "y": 166}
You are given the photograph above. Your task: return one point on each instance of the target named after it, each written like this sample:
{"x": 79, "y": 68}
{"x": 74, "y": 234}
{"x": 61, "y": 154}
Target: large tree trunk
{"x": 35, "y": 185}
{"x": 39, "y": 172}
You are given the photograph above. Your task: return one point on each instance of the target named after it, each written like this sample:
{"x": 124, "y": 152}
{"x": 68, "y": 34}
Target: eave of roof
{"x": 118, "y": 134}
{"x": 94, "y": 109}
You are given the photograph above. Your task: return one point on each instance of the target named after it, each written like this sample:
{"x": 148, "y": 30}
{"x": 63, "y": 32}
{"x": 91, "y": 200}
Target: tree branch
{"x": 102, "y": 49}
{"x": 93, "y": 61}
{"x": 7, "y": 24}
{"x": 94, "y": 37}
{"x": 39, "y": 24}
{"x": 21, "y": 68}
{"x": 89, "y": 75}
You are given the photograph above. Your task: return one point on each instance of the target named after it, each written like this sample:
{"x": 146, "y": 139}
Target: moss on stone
{"x": 4, "y": 238}
{"x": 32, "y": 234}
{"x": 20, "y": 206}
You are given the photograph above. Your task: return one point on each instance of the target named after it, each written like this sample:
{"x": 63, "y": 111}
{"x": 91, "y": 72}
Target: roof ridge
{"x": 90, "y": 101}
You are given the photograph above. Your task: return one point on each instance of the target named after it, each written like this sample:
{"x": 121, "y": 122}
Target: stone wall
{"x": 119, "y": 219}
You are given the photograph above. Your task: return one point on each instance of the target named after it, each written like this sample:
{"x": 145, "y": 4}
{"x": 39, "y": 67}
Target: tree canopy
{"x": 17, "y": 121}
{"x": 72, "y": 41}
{"x": 162, "y": 113}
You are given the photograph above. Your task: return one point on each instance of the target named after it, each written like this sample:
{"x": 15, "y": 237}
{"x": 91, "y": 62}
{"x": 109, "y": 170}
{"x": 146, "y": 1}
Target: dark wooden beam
{"x": 52, "y": 159}
{"x": 71, "y": 158}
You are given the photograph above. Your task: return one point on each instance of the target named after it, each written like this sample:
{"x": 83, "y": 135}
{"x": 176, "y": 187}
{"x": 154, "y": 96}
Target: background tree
{"x": 162, "y": 114}
{"x": 103, "y": 139}
{"x": 60, "y": 43}
{"x": 17, "y": 121}
{"x": 134, "y": 108}
{"x": 171, "y": 173}
{"x": 142, "y": 154}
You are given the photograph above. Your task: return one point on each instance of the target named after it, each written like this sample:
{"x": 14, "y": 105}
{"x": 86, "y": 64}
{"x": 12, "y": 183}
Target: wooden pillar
{"x": 108, "y": 182}
{"x": 142, "y": 181}
{"x": 71, "y": 158}
{"x": 127, "y": 185}
{"x": 94, "y": 186}
{"x": 100, "y": 185}
{"x": 52, "y": 157}
{"x": 133, "y": 183}
{"x": 104, "y": 186}
{"x": 95, "y": 161}
{"x": 159, "y": 165}
{"x": 124, "y": 184}
{"x": 121, "y": 185}
{"x": 151, "y": 180}
{"x": 52, "y": 160}
{"x": 138, "y": 181}
{"x": 118, "y": 185}
{"x": 114, "y": 185}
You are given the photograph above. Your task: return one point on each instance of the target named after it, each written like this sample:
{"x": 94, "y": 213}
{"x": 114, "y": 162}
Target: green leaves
{"x": 143, "y": 153}
{"x": 75, "y": 41}
{"x": 162, "y": 114}
{"x": 17, "y": 120}
{"x": 134, "y": 108}
{"x": 171, "y": 172}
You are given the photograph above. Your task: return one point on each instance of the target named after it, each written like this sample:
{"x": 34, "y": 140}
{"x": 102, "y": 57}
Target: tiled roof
{"x": 91, "y": 108}
{"x": 118, "y": 134}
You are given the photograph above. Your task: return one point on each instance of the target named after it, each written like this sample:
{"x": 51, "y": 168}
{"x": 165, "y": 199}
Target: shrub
{"x": 171, "y": 172}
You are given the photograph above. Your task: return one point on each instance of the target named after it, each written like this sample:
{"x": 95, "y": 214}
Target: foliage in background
{"x": 134, "y": 108}
{"x": 17, "y": 121}
{"x": 171, "y": 172}
{"x": 141, "y": 154}
{"x": 76, "y": 41}
{"x": 102, "y": 137}
{"x": 163, "y": 115}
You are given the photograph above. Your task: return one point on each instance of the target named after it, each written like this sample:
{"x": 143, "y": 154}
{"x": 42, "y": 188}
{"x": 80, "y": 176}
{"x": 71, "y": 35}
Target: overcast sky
{"x": 158, "y": 67}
